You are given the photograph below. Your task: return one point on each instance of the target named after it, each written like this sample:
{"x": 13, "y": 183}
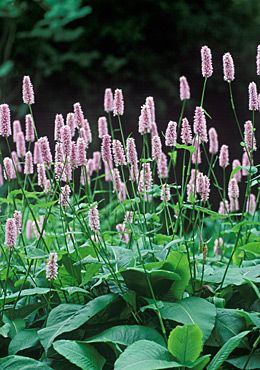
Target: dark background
{"x": 74, "y": 49}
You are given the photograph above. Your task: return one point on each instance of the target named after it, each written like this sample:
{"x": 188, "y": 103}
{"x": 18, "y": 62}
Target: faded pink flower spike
{"x": 149, "y": 102}
{"x": 18, "y": 221}
{"x": 196, "y": 156}
{"x": 258, "y": 61}
{"x": 59, "y": 153}
{"x": 74, "y": 155}
{"x": 70, "y": 121}
{"x": 64, "y": 196}
{"x": 156, "y": 147}
{"x": 66, "y": 140}
{"x": 16, "y": 162}
{"x": 29, "y": 229}
{"x": 206, "y": 62}
{"x": 29, "y": 128}
{"x": 233, "y": 194}
{"x": 28, "y": 164}
{"x": 78, "y": 115}
{"x": 28, "y": 93}
{"x": 20, "y": 144}
{"x": 52, "y": 266}
{"x": 199, "y": 125}
{"x": 102, "y": 127}
{"x": 171, "y": 134}
{"x": 228, "y": 67}
{"x": 154, "y": 130}
{"x": 186, "y": 135}
{"x": 206, "y": 189}
{"x": 224, "y": 156}
{"x": 59, "y": 123}
{"x": 5, "y": 120}
{"x": 116, "y": 179}
{"x": 253, "y": 97}
{"x": 165, "y": 193}
{"x": 81, "y": 152}
{"x": 118, "y": 152}
{"x": 245, "y": 163}
{"x": 213, "y": 141}
{"x": 96, "y": 161}
{"x": 122, "y": 192}
{"x": 145, "y": 120}
{"x": 10, "y": 233}
{"x": 134, "y": 172}
{"x": 9, "y": 170}
{"x": 93, "y": 219}
{"x": 45, "y": 150}
{"x": 218, "y": 243}
{"x": 236, "y": 163}
{"x": 87, "y": 131}
{"x": 37, "y": 154}
{"x": 249, "y": 137}
{"x": 108, "y": 101}
{"x": 106, "y": 149}
{"x": 41, "y": 175}
{"x": 251, "y": 204}
{"x": 118, "y": 103}
{"x": 223, "y": 207}
{"x": 131, "y": 152}
{"x": 121, "y": 229}
{"x": 184, "y": 89}
{"x": 16, "y": 128}
{"x": 162, "y": 166}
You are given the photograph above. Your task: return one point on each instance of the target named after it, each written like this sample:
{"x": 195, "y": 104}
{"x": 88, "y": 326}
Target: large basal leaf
{"x": 26, "y": 338}
{"x": 64, "y": 319}
{"x": 148, "y": 355}
{"x": 81, "y": 354}
{"x": 225, "y": 351}
{"x": 246, "y": 362}
{"x": 21, "y": 363}
{"x": 185, "y": 343}
{"x": 127, "y": 335}
{"x": 193, "y": 310}
{"x": 25, "y": 293}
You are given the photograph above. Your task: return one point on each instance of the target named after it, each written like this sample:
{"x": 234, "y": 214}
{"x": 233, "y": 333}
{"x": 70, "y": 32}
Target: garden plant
{"x": 142, "y": 255}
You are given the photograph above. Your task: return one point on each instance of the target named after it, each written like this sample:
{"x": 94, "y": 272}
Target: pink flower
{"x": 59, "y": 123}
{"x": 146, "y": 179}
{"x": 149, "y": 102}
{"x": 108, "y": 101}
{"x": 251, "y": 204}
{"x": 236, "y": 163}
{"x": 9, "y": 170}
{"x": 206, "y": 62}
{"x": 59, "y": 153}
{"x": 228, "y": 67}
{"x": 96, "y": 161}
{"x": 28, "y": 164}
{"x": 245, "y": 163}
{"x": 66, "y": 140}
{"x": 29, "y": 229}
{"x": 16, "y": 128}
{"x": 16, "y": 162}
{"x": 102, "y": 127}
{"x": 118, "y": 103}
{"x": 206, "y": 189}
{"x": 196, "y": 156}
{"x": 258, "y": 61}
{"x": 223, "y": 207}
{"x": 20, "y": 144}
{"x": 154, "y": 129}
{"x": 41, "y": 175}
{"x": 171, "y": 134}
{"x": 131, "y": 152}
{"x": 29, "y": 128}
{"x": 52, "y": 266}
{"x": 184, "y": 89}
{"x": 218, "y": 243}
{"x": 253, "y": 97}
{"x": 10, "y": 233}
{"x": 249, "y": 136}
{"x": 45, "y": 150}
{"x": 118, "y": 152}
{"x": 37, "y": 154}
{"x": 134, "y": 172}
{"x": 106, "y": 149}
{"x": 78, "y": 115}
{"x": 199, "y": 125}
{"x": 165, "y": 193}
{"x": 122, "y": 192}
{"x": 5, "y": 123}
{"x": 93, "y": 219}
{"x": 88, "y": 132}
{"x": 162, "y": 166}
{"x": 108, "y": 172}
{"x": 233, "y": 194}
{"x": 213, "y": 141}
{"x": 28, "y": 93}
{"x": 156, "y": 147}
{"x": 81, "y": 152}
{"x": 145, "y": 120}
{"x": 121, "y": 229}
{"x": 186, "y": 135}
{"x": 74, "y": 155}
{"x": 18, "y": 221}
{"x": 64, "y": 196}
{"x": 224, "y": 156}
{"x": 116, "y": 179}
{"x": 70, "y": 121}
{"x": 67, "y": 172}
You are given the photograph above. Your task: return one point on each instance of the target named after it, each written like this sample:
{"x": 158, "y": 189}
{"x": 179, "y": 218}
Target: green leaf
{"x": 190, "y": 148}
{"x": 65, "y": 318}
{"x": 246, "y": 362}
{"x": 15, "y": 326}
{"x": 225, "y": 351}
{"x": 21, "y": 363}
{"x": 26, "y": 293}
{"x": 192, "y": 310}
{"x": 127, "y": 335}
{"x": 185, "y": 343}
{"x": 4, "y": 330}
{"x": 6, "y": 68}
{"x": 253, "y": 247}
{"x": 26, "y": 338}
{"x": 81, "y": 354}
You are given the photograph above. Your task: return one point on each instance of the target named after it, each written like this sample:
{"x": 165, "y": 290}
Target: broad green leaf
{"x": 190, "y": 148}
{"x": 15, "y": 326}
{"x": 64, "y": 321}
{"x": 127, "y": 334}
{"x": 26, "y": 338}
{"x": 91, "y": 270}
{"x": 246, "y": 362}
{"x": 81, "y": 354}
{"x": 4, "y": 330}
{"x": 236, "y": 228}
{"x": 253, "y": 247}
{"x": 26, "y": 293}
{"x": 21, "y": 363}
{"x": 225, "y": 351}
{"x": 185, "y": 343}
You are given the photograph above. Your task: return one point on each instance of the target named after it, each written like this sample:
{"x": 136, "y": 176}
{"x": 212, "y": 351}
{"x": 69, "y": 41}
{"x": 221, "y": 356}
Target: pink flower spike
{"x": 122, "y": 192}
{"x": 134, "y": 172}
{"x": 258, "y": 61}
{"x": 253, "y": 97}
{"x": 224, "y": 156}
{"x": 81, "y": 152}
{"x": 93, "y": 219}
{"x": 9, "y": 170}
{"x": 59, "y": 123}
{"x": 228, "y": 67}
{"x": 213, "y": 141}
{"x": 20, "y": 144}
{"x": 116, "y": 179}
{"x": 29, "y": 229}
{"x": 156, "y": 147}
{"x": 10, "y": 233}
{"x": 78, "y": 115}
{"x": 233, "y": 194}
{"x": 223, "y": 207}
{"x": 28, "y": 164}
{"x": 96, "y": 161}
{"x": 118, "y": 152}
{"x": 206, "y": 62}
{"x": 70, "y": 121}
{"x": 154, "y": 129}
{"x": 88, "y": 131}
{"x": 37, "y": 154}
{"x": 74, "y": 155}
{"x": 45, "y": 150}
{"x": 108, "y": 101}
{"x": 59, "y": 153}
{"x": 149, "y": 102}
{"x": 66, "y": 140}
{"x": 145, "y": 120}
{"x": 171, "y": 134}
{"x": 196, "y": 156}
{"x": 184, "y": 89}
{"x": 28, "y": 93}
{"x": 108, "y": 172}
{"x": 118, "y": 103}
{"x": 16, "y": 128}
{"x": 131, "y": 152}
{"x": 29, "y": 128}
{"x": 102, "y": 127}
{"x": 165, "y": 193}
{"x": 199, "y": 125}
{"x": 52, "y": 266}
{"x": 5, "y": 120}
{"x": 186, "y": 135}
{"x": 41, "y": 175}
{"x": 16, "y": 162}
{"x": 18, "y": 221}
{"x": 106, "y": 149}
{"x": 236, "y": 163}
{"x": 251, "y": 204}
{"x": 249, "y": 137}
{"x": 245, "y": 163}
{"x": 162, "y": 166}
{"x": 206, "y": 189}
{"x": 65, "y": 196}
{"x": 218, "y": 243}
